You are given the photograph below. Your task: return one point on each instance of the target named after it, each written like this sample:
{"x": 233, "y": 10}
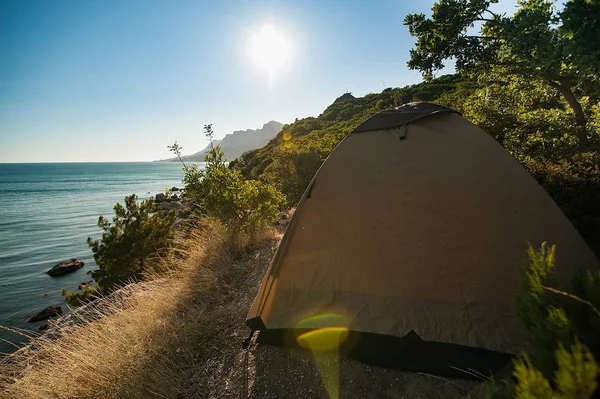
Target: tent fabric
{"x": 425, "y": 236}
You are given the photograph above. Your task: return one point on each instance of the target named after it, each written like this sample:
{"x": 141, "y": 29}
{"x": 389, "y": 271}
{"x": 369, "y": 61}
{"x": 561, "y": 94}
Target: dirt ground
{"x": 226, "y": 370}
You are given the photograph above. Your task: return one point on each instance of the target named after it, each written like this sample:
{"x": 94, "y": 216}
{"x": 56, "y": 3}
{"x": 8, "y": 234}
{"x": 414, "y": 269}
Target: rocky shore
{"x": 174, "y": 199}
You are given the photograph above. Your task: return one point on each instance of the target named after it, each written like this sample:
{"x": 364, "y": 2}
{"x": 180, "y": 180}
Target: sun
{"x": 270, "y": 49}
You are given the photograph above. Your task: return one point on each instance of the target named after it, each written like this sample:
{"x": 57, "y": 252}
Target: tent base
{"x": 409, "y": 353}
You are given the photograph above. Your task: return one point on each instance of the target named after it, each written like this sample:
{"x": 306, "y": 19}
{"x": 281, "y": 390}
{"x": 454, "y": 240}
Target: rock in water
{"x": 43, "y": 327}
{"x": 85, "y": 284}
{"x": 45, "y": 314}
{"x": 66, "y": 266}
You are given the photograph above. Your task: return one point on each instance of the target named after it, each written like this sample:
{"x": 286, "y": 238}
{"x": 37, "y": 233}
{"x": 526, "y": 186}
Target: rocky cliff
{"x": 238, "y": 142}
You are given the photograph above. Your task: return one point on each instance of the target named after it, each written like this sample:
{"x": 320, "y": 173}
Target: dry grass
{"x": 145, "y": 343}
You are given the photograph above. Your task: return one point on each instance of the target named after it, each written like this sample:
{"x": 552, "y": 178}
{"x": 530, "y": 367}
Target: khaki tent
{"x": 414, "y": 232}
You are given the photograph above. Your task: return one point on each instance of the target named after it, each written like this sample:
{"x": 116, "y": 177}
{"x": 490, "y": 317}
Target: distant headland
{"x": 235, "y": 144}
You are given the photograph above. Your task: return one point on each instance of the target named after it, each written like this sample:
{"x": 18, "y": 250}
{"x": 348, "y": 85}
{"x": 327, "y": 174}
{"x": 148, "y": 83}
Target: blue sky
{"x": 120, "y": 80}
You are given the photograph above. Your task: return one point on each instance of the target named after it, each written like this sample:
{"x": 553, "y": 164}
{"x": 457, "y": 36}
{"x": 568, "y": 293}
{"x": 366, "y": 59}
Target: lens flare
{"x": 326, "y": 334}
{"x": 324, "y": 339}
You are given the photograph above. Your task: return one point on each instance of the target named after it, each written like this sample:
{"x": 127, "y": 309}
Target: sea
{"x": 47, "y": 212}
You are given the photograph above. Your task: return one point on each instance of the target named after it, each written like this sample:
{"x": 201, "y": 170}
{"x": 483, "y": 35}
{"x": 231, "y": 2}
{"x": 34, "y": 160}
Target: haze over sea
{"x": 46, "y": 214}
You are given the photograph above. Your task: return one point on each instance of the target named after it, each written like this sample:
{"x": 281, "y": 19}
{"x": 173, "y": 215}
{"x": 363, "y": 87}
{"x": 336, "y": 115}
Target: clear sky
{"x": 120, "y": 80}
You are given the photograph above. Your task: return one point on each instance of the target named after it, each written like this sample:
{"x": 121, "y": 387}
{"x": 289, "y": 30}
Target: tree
{"x": 136, "y": 235}
{"x": 581, "y": 24}
{"x": 523, "y": 116}
{"x": 536, "y": 42}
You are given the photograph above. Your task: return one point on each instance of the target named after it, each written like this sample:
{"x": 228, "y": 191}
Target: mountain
{"x": 235, "y": 144}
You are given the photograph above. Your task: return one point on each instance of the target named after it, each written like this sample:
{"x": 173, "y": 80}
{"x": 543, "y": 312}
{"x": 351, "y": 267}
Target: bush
{"x": 80, "y": 298}
{"x": 128, "y": 246}
{"x": 574, "y": 183}
{"x": 575, "y": 377}
{"x": 562, "y": 328}
{"x": 295, "y": 163}
{"x": 243, "y": 205}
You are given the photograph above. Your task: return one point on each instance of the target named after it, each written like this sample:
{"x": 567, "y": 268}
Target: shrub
{"x": 295, "y": 163}
{"x": 562, "y": 329}
{"x": 128, "y": 246}
{"x": 574, "y": 183}
{"x": 575, "y": 377}
{"x": 243, "y": 205}
{"x": 80, "y": 298}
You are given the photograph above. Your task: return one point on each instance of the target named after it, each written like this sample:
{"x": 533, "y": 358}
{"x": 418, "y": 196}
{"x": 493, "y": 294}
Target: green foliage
{"x": 555, "y": 319}
{"x": 540, "y": 313}
{"x": 575, "y": 377}
{"x": 81, "y": 298}
{"x": 296, "y": 162}
{"x": 531, "y": 382}
{"x": 577, "y": 371}
{"x": 535, "y": 43}
{"x": 581, "y": 24}
{"x": 522, "y": 115}
{"x": 129, "y": 243}
{"x": 541, "y": 264}
{"x": 243, "y": 205}
{"x": 574, "y": 183}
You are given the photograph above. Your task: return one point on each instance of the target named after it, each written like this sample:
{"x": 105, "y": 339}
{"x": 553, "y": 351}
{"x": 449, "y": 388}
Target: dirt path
{"x": 262, "y": 371}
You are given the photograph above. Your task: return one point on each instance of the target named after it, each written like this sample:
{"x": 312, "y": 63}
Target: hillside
{"x": 235, "y": 144}
{"x": 294, "y": 155}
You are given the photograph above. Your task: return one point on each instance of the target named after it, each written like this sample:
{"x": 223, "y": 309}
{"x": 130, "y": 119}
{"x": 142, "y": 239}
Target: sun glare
{"x": 270, "y": 49}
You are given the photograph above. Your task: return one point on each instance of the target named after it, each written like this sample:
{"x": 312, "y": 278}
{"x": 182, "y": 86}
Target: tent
{"x": 414, "y": 233}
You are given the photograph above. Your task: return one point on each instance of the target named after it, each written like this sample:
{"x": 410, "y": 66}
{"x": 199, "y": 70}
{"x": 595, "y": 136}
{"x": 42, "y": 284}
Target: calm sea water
{"x": 47, "y": 211}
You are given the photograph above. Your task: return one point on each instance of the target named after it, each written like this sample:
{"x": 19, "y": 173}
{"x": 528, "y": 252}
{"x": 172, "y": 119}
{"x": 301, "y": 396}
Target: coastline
{"x": 49, "y": 212}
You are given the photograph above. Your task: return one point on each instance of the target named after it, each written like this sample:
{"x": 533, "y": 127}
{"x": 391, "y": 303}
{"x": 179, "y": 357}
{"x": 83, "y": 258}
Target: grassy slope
{"x": 146, "y": 345}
